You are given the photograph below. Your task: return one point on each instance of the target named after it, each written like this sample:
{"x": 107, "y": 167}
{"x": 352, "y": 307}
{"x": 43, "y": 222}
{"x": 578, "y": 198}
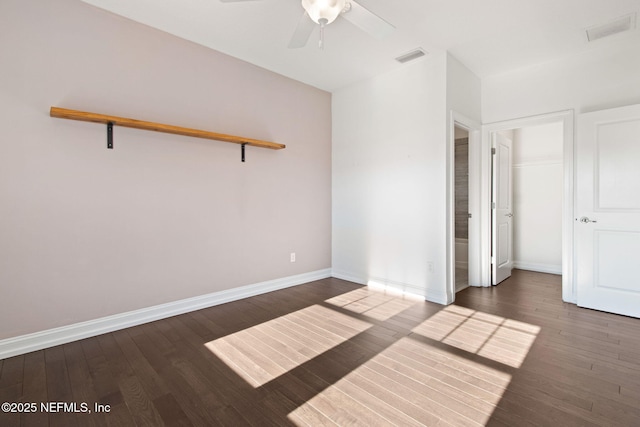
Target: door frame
{"x": 568, "y": 194}
{"x": 475, "y": 193}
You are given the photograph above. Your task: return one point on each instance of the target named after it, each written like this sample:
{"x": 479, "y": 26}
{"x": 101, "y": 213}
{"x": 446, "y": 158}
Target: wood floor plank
{"x": 153, "y": 384}
{"x": 616, "y": 412}
{"x": 82, "y": 385}
{"x": 408, "y": 407}
{"x": 464, "y": 384}
{"x": 59, "y": 386}
{"x": 140, "y": 405}
{"x": 35, "y": 375}
{"x": 429, "y": 402}
{"x": 244, "y": 364}
{"x": 286, "y": 356}
{"x": 474, "y": 372}
{"x": 460, "y": 396}
{"x": 343, "y": 409}
{"x": 120, "y": 416}
{"x": 227, "y": 388}
{"x": 10, "y": 394}
{"x": 191, "y": 399}
{"x": 333, "y": 352}
{"x": 156, "y": 331}
{"x": 376, "y": 404}
{"x": 298, "y": 387}
{"x": 118, "y": 363}
{"x": 105, "y": 384}
{"x": 12, "y": 371}
{"x": 472, "y": 408}
{"x": 170, "y": 411}
{"x": 32, "y": 391}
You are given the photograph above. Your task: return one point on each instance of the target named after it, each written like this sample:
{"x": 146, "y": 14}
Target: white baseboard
{"x": 348, "y": 277}
{"x": 540, "y": 268}
{"x": 37, "y": 341}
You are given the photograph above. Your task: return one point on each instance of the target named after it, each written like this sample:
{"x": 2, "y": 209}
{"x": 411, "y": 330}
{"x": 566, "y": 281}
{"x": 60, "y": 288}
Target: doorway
{"x": 542, "y": 170}
{"x": 461, "y": 208}
{"x": 467, "y": 251}
{"x": 461, "y": 127}
{"x": 527, "y": 200}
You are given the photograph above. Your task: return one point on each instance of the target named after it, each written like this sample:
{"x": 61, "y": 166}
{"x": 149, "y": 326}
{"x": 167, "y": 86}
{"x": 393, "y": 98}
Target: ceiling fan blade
{"x": 303, "y": 31}
{"x": 367, "y": 21}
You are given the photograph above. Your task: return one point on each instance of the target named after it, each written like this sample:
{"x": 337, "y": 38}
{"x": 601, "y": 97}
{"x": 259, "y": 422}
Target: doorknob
{"x": 509, "y": 214}
{"x": 586, "y": 220}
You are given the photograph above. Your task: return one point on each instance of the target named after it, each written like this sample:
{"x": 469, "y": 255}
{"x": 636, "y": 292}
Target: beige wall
{"x": 87, "y": 232}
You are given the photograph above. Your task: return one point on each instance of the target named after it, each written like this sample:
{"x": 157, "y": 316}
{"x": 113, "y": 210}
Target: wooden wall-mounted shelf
{"x": 63, "y": 113}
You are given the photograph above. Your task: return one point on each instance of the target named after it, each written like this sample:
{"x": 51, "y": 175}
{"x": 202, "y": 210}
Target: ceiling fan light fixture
{"x": 323, "y": 12}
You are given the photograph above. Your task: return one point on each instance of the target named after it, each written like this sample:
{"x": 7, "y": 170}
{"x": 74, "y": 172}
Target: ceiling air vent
{"x": 620, "y": 25}
{"x": 414, "y": 54}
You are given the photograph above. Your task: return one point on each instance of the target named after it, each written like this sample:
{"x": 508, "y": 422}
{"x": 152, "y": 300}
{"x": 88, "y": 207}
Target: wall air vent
{"x": 414, "y": 54}
{"x": 620, "y": 25}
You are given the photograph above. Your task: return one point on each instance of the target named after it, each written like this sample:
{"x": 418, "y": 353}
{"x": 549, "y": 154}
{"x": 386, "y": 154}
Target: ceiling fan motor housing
{"x": 324, "y": 11}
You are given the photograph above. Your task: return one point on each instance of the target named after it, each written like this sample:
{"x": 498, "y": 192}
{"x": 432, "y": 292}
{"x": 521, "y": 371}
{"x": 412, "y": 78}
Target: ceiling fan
{"x": 324, "y": 12}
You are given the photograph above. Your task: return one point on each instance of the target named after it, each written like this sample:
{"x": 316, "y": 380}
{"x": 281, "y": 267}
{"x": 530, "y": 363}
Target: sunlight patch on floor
{"x": 425, "y": 384}
{"x": 497, "y": 338}
{"x": 376, "y": 301}
{"x": 453, "y": 367}
{"x": 265, "y": 351}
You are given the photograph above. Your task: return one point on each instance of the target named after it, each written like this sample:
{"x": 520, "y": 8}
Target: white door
{"x": 607, "y": 223}
{"x": 502, "y": 218}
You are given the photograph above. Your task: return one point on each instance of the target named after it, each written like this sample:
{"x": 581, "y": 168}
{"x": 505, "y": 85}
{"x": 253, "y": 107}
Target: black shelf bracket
{"x": 110, "y": 135}
{"x": 242, "y": 151}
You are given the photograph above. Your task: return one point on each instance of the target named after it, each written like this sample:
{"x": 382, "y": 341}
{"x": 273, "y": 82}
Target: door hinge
{"x": 493, "y": 151}
{"x": 493, "y": 205}
{"x": 469, "y": 214}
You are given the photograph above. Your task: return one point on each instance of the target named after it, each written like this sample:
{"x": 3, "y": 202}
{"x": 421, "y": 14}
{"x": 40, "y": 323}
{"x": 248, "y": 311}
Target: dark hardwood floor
{"x": 335, "y": 353}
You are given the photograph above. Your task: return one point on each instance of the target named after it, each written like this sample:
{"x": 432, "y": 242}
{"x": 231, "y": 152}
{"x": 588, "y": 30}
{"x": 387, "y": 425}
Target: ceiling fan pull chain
{"x": 323, "y": 23}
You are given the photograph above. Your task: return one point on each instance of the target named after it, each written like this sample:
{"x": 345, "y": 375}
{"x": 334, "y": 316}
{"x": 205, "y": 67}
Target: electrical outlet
{"x": 292, "y": 257}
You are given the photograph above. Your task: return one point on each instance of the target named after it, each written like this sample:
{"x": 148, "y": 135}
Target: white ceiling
{"x": 488, "y": 36}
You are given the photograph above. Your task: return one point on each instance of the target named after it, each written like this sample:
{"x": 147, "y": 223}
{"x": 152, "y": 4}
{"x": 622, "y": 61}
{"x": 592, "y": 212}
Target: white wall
{"x": 389, "y": 179}
{"x": 537, "y": 198}
{"x": 464, "y": 103}
{"x": 87, "y": 232}
{"x": 463, "y": 90}
{"x": 391, "y": 190}
{"x": 595, "y": 79}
